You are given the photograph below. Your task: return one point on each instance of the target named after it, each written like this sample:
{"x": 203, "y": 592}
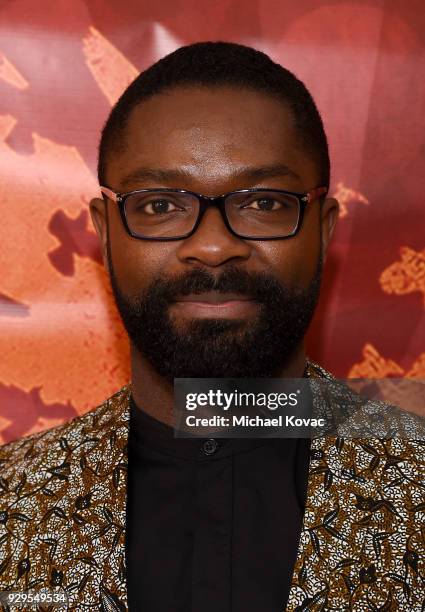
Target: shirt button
{"x": 210, "y": 446}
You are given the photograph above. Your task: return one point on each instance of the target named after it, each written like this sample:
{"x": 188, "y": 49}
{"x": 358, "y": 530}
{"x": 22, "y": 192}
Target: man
{"x": 211, "y": 286}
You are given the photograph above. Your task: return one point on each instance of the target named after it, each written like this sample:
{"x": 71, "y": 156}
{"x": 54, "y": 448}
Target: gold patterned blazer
{"x": 63, "y": 510}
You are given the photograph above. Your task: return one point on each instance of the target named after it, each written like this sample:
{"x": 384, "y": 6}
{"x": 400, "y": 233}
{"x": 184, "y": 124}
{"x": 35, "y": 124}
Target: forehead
{"x": 209, "y": 134}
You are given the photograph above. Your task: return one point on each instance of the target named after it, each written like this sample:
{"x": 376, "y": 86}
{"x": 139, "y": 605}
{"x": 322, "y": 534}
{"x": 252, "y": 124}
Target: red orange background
{"x": 62, "y": 66}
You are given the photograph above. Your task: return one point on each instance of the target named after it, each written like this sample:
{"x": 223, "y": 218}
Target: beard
{"x": 218, "y": 348}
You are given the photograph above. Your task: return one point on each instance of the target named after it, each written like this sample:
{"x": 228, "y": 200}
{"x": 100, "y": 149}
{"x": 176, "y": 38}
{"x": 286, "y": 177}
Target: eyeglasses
{"x": 174, "y": 214}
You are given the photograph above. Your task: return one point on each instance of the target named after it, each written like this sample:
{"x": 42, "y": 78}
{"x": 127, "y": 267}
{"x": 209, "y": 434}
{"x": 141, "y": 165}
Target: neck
{"x": 155, "y": 395}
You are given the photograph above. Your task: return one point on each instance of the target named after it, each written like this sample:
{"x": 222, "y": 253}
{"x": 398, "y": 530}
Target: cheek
{"x": 135, "y": 262}
{"x": 295, "y": 260}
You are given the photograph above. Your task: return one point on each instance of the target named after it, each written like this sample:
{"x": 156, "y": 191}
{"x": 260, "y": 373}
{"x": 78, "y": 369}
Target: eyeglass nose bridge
{"x": 220, "y": 202}
{"x": 204, "y": 203}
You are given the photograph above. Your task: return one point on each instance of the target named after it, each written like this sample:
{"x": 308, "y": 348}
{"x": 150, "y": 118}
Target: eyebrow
{"x": 245, "y": 173}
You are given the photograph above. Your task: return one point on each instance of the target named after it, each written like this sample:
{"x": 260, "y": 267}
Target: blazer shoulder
{"x": 41, "y": 443}
{"x": 57, "y": 488}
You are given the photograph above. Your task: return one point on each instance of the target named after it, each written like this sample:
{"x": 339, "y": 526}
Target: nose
{"x": 213, "y": 244}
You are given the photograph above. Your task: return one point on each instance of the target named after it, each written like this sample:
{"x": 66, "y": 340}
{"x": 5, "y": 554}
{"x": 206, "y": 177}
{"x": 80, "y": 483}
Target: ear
{"x": 99, "y": 216}
{"x": 329, "y": 218}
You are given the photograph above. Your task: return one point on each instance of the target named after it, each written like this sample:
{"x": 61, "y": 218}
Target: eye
{"x": 158, "y": 207}
{"x": 266, "y": 204}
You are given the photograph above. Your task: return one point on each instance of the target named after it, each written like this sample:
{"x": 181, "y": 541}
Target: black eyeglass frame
{"x": 220, "y": 202}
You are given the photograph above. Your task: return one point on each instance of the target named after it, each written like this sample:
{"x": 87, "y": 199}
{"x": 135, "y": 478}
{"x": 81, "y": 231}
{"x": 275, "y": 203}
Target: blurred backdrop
{"x": 64, "y": 63}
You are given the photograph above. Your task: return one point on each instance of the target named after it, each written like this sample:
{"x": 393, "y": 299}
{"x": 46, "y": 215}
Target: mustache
{"x": 232, "y": 280}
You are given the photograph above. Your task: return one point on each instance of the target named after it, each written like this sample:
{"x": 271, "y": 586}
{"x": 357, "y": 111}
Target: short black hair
{"x": 220, "y": 64}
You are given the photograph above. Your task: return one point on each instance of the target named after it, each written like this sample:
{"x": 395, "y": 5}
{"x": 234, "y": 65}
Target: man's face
{"x": 213, "y": 304}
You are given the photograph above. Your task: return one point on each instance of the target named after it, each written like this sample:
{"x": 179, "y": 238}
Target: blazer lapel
{"x": 362, "y": 546}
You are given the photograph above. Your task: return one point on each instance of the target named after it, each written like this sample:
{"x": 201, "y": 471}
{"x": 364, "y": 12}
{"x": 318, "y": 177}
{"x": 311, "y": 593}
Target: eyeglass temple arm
{"x": 109, "y": 193}
{"x": 316, "y": 193}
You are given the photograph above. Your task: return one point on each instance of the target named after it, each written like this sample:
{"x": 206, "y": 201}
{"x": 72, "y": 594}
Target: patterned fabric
{"x": 62, "y": 517}
{"x": 62, "y": 508}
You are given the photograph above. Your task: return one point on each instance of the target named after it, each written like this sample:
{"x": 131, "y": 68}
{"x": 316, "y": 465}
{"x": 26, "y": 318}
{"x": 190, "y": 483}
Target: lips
{"x": 215, "y": 305}
{"x": 214, "y": 297}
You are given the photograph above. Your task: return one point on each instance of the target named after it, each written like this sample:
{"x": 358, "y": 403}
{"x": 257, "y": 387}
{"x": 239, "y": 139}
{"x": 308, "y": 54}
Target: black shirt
{"x": 212, "y": 525}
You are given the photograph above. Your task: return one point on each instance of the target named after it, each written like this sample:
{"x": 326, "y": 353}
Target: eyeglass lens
{"x": 172, "y": 214}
